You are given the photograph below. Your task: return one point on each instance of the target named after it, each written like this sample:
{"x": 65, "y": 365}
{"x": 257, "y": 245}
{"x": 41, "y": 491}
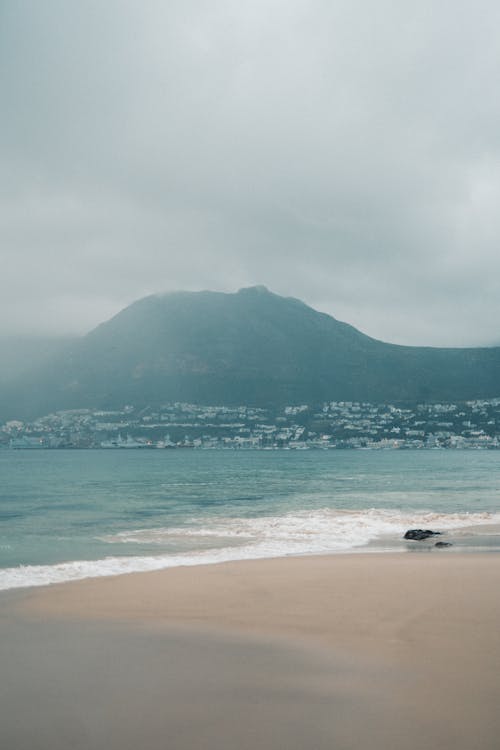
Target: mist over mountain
{"x": 251, "y": 347}
{"x": 22, "y": 355}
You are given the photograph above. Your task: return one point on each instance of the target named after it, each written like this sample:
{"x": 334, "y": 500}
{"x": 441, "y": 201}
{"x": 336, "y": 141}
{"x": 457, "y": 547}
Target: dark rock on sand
{"x": 443, "y": 544}
{"x": 419, "y": 534}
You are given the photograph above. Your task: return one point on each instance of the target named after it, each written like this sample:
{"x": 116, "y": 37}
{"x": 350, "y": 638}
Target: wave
{"x": 300, "y": 533}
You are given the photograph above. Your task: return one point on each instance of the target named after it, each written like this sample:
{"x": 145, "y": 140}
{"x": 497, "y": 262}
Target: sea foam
{"x": 299, "y": 533}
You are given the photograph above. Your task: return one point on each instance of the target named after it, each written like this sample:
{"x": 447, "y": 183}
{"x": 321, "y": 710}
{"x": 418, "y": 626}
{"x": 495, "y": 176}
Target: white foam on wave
{"x": 299, "y": 533}
{"x": 337, "y": 529}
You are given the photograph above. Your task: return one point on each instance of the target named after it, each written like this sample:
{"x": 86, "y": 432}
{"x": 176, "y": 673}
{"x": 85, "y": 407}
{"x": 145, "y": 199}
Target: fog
{"x": 346, "y": 153}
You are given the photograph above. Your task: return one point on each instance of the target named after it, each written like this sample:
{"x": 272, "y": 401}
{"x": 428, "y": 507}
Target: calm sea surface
{"x": 72, "y": 514}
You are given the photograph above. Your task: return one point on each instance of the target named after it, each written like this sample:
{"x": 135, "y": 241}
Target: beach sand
{"x": 380, "y": 651}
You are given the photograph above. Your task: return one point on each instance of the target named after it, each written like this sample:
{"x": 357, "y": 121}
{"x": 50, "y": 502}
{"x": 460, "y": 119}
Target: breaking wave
{"x": 221, "y": 540}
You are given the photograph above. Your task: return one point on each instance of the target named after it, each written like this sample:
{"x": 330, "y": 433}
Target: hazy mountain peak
{"x": 251, "y": 347}
{"x": 257, "y": 289}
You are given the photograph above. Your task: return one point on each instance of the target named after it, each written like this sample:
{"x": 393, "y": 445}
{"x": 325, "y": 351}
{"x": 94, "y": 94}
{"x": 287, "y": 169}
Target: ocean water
{"x": 66, "y": 515}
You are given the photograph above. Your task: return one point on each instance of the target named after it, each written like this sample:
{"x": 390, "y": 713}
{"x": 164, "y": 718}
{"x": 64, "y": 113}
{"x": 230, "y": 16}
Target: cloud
{"x": 345, "y": 153}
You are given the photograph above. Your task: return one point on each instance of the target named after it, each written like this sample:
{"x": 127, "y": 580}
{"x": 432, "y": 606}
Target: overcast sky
{"x": 346, "y": 153}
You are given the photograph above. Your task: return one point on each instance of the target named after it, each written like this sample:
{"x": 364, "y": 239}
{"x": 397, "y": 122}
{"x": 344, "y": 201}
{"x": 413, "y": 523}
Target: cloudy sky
{"x": 344, "y": 152}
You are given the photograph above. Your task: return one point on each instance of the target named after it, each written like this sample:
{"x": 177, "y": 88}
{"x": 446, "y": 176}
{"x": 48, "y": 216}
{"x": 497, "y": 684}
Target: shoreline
{"x": 385, "y": 651}
{"x": 267, "y": 595}
{"x": 480, "y": 538}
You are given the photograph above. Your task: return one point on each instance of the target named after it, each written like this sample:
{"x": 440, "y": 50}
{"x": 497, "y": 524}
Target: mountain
{"x": 251, "y": 347}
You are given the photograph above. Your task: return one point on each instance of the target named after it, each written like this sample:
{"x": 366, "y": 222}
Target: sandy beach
{"x": 343, "y": 651}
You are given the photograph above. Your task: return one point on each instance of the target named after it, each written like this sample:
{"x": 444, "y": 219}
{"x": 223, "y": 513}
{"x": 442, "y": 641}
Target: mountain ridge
{"x": 251, "y": 346}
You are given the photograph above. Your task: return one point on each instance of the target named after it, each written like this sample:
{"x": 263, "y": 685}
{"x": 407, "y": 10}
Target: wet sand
{"x": 391, "y": 651}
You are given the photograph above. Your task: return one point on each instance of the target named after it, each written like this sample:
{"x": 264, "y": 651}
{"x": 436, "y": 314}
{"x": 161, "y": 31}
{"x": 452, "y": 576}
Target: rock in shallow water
{"x": 443, "y": 544}
{"x": 419, "y": 534}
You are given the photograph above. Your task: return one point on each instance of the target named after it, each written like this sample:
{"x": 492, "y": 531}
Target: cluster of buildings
{"x": 336, "y": 424}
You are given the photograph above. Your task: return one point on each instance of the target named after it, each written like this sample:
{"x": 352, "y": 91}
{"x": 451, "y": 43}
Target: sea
{"x": 67, "y": 515}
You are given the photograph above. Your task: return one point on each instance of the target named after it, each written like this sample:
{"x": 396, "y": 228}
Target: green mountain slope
{"x": 251, "y": 347}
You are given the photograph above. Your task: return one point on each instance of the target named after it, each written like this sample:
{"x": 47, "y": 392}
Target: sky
{"x": 343, "y": 152}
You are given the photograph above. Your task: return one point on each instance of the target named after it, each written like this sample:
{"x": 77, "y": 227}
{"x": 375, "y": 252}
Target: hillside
{"x": 250, "y": 347}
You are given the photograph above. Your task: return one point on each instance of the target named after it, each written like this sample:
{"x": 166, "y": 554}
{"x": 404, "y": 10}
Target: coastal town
{"x": 331, "y": 425}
